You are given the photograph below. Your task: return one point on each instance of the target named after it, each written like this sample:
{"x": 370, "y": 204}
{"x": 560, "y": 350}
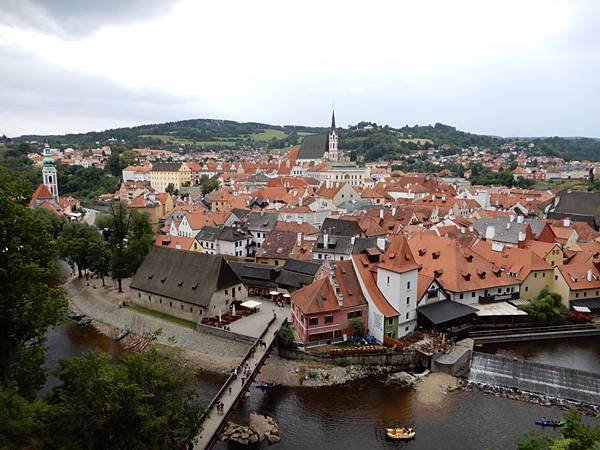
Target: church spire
{"x": 333, "y": 120}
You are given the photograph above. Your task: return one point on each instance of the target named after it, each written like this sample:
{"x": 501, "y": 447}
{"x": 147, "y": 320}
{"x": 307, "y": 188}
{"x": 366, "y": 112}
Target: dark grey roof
{"x": 339, "y": 245}
{"x": 357, "y": 205}
{"x": 240, "y": 213}
{"x": 592, "y": 303}
{"x": 260, "y": 221}
{"x": 510, "y": 234}
{"x": 445, "y": 311}
{"x": 340, "y": 227}
{"x": 166, "y": 167}
{"x": 584, "y": 206}
{"x": 294, "y": 279}
{"x": 256, "y": 274}
{"x": 313, "y": 146}
{"x": 305, "y": 267}
{"x": 361, "y": 244}
{"x": 229, "y": 234}
{"x": 190, "y": 277}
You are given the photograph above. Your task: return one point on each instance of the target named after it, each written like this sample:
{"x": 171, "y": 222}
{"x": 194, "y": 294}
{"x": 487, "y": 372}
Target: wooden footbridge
{"x": 230, "y": 394}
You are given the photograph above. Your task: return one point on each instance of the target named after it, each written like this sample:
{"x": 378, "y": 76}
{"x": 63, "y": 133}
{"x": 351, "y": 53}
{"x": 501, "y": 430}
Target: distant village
{"x": 345, "y": 243}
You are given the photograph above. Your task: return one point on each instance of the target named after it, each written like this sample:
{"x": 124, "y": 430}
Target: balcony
{"x": 491, "y": 298}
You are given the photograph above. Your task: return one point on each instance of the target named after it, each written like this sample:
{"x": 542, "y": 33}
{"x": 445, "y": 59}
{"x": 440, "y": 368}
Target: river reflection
{"x": 354, "y": 416}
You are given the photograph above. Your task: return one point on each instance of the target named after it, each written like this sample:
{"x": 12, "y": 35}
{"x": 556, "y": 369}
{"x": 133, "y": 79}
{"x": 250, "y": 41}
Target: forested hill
{"x": 365, "y": 138}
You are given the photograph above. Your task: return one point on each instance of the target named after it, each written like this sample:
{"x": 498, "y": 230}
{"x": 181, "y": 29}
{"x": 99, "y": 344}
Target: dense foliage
{"x": 144, "y": 402}
{"x": 85, "y": 182}
{"x": 29, "y": 303}
{"x": 546, "y": 307}
{"x": 575, "y": 436}
{"x": 484, "y": 176}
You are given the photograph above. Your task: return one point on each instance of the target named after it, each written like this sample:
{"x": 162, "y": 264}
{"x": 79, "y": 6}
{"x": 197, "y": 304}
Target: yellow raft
{"x": 400, "y": 434}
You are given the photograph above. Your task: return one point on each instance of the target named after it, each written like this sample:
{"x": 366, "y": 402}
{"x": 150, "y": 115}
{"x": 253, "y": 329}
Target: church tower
{"x": 333, "y": 140}
{"x": 49, "y": 175}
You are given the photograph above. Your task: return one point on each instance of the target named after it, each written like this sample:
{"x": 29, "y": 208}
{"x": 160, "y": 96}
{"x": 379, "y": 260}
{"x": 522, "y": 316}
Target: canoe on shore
{"x": 121, "y": 335}
{"x": 550, "y": 423}
{"x": 268, "y": 385}
{"x": 400, "y": 434}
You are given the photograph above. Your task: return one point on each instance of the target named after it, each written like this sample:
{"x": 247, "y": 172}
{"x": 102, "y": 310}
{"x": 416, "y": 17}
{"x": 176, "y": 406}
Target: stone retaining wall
{"x": 224, "y": 333}
{"x": 403, "y": 360}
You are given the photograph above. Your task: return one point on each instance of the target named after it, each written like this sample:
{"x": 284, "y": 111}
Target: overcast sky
{"x": 503, "y": 67}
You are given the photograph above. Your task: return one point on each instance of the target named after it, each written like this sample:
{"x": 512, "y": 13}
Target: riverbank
{"x": 528, "y": 397}
{"x": 201, "y": 351}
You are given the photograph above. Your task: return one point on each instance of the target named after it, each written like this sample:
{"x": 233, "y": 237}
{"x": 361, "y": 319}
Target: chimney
{"x": 327, "y": 183}
{"x": 381, "y": 214}
{"x": 178, "y": 246}
{"x": 512, "y": 218}
{"x": 352, "y": 240}
{"x": 326, "y": 240}
{"x": 381, "y": 244}
{"x": 299, "y": 239}
{"x": 520, "y": 219}
{"x": 567, "y": 222}
{"x": 590, "y": 275}
{"x": 508, "y": 225}
{"x": 522, "y": 238}
{"x": 393, "y": 211}
{"x": 490, "y": 232}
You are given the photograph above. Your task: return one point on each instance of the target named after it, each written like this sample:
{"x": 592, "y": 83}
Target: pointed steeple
{"x": 333, "y": 120}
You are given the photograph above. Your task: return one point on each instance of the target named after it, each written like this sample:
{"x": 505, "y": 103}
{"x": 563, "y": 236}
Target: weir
{"x": 553, "y": 381}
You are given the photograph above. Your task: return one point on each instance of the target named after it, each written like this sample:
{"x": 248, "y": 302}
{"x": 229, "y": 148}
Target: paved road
{"x": 209, "y": 352}
{"x": 90, "y": 216}
{"x": 213, "y": 421}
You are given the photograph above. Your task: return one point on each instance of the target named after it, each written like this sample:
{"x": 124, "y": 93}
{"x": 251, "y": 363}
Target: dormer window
{"x": 469, "y": 257}
{"x": 438, "y": 273}
{"x": 435, "y": 255}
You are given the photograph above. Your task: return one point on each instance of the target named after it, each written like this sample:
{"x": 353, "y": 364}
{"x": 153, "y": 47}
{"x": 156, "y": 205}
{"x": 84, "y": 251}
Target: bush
{"x": 286, "y": 337}
{"x": 546, "y": 307}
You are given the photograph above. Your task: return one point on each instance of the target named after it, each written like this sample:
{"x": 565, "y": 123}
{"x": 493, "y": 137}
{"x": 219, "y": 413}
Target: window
{"x": 461, "y": 296}
{"x": 170, "y": 304}
{"x": 388, "y": 281}
{"x": 534, "y": 274}
{"x": 239, "y": 288}
{"x": 150, "y": 298}
{"x": 182, "y": 307}
{"x": 160, "y": 301}
{"x": 191, "y": 309}
{"x": 226, "y": 291}
{"x": 406, "y": 329}
{"x": 556, "y": 277}
{"x": 312, "y": 321}
{"x": 391, "y": 321}
{"x": 526, "y": 288}
{"x": 577, "y": 294}
{"x": 473, "y": 294}
{"x": 408, "y": 285}
{"x": 408, "y": 300}
{"x": 543, "y": 274}
{"x": 354, "y": 314}
{"x": 406, "y": 316}
{"x": 585, "y": 294}
{"x": 329, "y": 319}
{"x": 499, "y": 290}
{"x": 139, "y": 295}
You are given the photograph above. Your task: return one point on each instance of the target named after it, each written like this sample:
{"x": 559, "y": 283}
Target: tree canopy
{"x": 546, "y": 307}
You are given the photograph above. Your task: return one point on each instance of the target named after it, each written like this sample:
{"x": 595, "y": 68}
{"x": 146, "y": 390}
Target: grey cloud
{"x": 38, "y": 97}
{"x": 77, "y": 18}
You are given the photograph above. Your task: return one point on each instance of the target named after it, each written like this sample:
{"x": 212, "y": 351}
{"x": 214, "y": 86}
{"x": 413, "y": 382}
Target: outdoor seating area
{"x": 237, "y": 311}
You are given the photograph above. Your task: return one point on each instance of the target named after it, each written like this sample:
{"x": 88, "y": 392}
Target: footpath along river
{"x": 353, "y": 416}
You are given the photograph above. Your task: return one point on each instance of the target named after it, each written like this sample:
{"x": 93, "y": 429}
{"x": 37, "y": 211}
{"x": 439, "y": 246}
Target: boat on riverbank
{"x": 550, "y": 423}
{"x": 270, "y": 385}
{"x": 121, "y": 335}
{"x": 400, "y": 433}
{"x": 85, "y": 322}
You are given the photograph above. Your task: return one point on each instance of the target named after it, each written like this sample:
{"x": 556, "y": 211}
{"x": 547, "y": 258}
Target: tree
{"x": 99, "y": 255}
{"x": 131, "y": 238}
{"x": 170, "y": 188}
{"x": 358, "y": 328}
{"x": 144, "y": 402}
{"x": 114, "y": 164}
{"x": 78, "y": 244}
{"x": 575, "y": 436}
{"x": 546, "y": 307}
{"x": 54, "y": 221}
{"x": 29, "y": 304}
{"x": 286, "y": 337}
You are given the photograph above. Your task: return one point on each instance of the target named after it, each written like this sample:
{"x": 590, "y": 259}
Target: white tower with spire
{"x": 49, "y": 175}
{"x": 333, "y": 140}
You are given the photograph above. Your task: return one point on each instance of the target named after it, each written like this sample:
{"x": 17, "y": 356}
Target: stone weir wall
{"x": 402, "y": 360}
{"x": 552, "y": 381}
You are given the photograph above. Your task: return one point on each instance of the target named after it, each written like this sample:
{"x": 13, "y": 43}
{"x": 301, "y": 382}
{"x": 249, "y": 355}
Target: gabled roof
{"x": 166, "y": 167}
{"x": 368, "y": 274}
{"x": 229, "y": 234}
{"x": 398, "y": 257}
{"x": 260, "y": 221}
{"x": 320, "y": 296}
{"x": 580, "y": 276}
{"x": 314, "y": 146}
{"x": 340, "y": 227}
{"x": 41, "y": 193}
{"x": 190, "y": 277}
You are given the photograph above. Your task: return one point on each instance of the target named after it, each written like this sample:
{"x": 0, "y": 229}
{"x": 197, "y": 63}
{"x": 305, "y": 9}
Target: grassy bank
{"x": 150, "y": 312}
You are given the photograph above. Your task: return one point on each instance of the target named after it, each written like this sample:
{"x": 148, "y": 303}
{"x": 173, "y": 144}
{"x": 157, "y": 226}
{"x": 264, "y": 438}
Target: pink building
{"x": 322, "y": 311}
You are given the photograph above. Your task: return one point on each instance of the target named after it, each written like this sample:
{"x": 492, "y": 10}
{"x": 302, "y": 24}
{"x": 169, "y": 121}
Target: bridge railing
{"x": 225, "y": 386}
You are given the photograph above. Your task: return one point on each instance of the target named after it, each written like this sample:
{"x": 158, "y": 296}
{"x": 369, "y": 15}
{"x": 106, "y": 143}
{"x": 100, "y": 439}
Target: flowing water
{"x": 354, "y": 416}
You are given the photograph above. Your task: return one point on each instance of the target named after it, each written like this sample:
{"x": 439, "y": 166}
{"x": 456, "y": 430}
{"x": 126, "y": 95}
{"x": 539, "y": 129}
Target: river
{"x": 353, "y": 416}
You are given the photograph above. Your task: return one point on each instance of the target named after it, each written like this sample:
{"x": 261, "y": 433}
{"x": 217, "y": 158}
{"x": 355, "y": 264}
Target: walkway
{"x": 206, "y": 351}
{"x": 234, "y": 388}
